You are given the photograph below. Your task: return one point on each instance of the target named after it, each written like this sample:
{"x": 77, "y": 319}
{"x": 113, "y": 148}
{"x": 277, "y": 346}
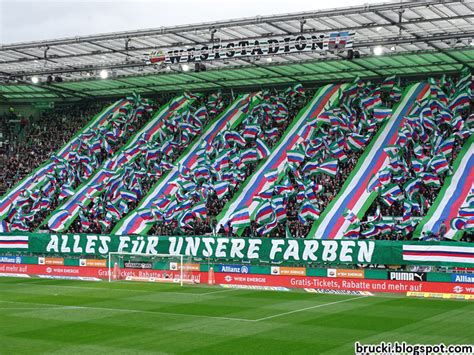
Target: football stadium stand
{"x": 187, "y": 167}
{"x": 357, "y": 160}
{"x": 351, "y": 125}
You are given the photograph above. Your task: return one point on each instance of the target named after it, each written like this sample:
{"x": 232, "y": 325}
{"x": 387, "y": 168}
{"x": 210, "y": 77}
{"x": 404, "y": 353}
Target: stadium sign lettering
{"x": 247, "y": 249}
{"x": 463, "y": 278}
{"x": 253, "y": 48}
{"x": 209, "y": 247}
{"x": 406, "y": 276}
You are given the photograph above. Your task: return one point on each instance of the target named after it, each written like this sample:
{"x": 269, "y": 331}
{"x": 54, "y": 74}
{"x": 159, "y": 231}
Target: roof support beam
{"x": 428, "y": 41}
{"x": 109, "y": 50}
{"x": 236, "y": 23}
{"x": 359, "y": 45}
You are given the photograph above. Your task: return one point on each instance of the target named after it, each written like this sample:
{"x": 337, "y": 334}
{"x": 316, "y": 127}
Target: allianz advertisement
{"x": 236, "y": 269}
{"x": 4, "y": 259}
{"x": 463, "y": 278}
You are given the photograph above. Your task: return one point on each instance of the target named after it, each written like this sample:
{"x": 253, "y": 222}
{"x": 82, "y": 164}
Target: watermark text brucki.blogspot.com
{"x": 415, "y": 349}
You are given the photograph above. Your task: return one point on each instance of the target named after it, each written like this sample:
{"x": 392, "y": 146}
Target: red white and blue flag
{"x": 262, "y": 150}
{"x": 240, "y": 218}
{"x": 14, "y": 242}
{"x": 329, "y": 167}
{"x": 438, "y": 253}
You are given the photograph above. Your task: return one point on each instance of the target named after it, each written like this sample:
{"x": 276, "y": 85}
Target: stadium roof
{"x": 417, "y": 37}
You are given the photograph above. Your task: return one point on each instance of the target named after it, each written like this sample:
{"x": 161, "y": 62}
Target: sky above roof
{"x": 31, "y": 20}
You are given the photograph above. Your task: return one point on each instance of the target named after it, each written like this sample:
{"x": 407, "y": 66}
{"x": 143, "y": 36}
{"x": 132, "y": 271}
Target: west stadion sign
{"x": 262, "y": 47}
{"x": 347, "y": 251}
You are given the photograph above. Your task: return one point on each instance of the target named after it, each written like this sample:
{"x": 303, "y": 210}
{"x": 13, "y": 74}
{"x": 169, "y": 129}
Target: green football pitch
{"x": 74, "y": 317}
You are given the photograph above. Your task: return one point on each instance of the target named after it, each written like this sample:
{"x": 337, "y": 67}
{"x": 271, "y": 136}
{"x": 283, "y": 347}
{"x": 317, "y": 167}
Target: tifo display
{"x": 359, "y": 160}
{"x": 300, "y": 183}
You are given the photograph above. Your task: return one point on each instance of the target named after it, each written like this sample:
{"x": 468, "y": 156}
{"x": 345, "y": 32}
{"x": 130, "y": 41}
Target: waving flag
{"x": 268, "y": 227}
{"x": 412, "y": 187}
{"x": 272, "y": 175}
{"x": 279, "y": 204}
{"x": 240, "y": 218}
{"x": 353, "y": 231}
{"x": 48, "y": 188}
{"x": 148, "y": 214}
{"x": 66, "y": 191}
{"x": 388, "y": 83}
{"x": 262, "y": 150}
{"x": 458, "y": 223}
{"x": 295, "y": 156}
{"x": 268, "y": 193}
{"x": 392, "y": 151}
{"x": 371, "y": 232}
{"x": 185, "y": 219}
{"x": 201, "y": 173}
{"x": 88, "y": 170}
{"x": 396, "y": 93}
{"x": 18, "y": 225}
{"x": 459, "y": 102}
{"x": 430, "y": 179}
{"x": 310, "y": 168}
{"x": 356, "y": 142}
{"x": 222, "y": 160}
{"x": 113, "y": 211}
{"x": 4, "y": 228}
{"x": 310, "y": 194}
{"x": 467, "y": 212}
{"x": 447, "y": 146}
{"x": 249, "y": 155}
{"x": 221, "y": 189}
{"x": 129, "y": 195}
{"x": 166, "y": 165}
{"x": 200, "y": 211}
{"x": 96, "y": 146}
{"x": 329, "y": 167}
{"x": 439, "y": 164}
{"x": 417, "y": 166}
{"x": 391, "y": 194}
{"x": 264, "y": 212}
{"x": 251, "y": 132}
{"x": 272, "y": 134}
{"x": 337, "y": 151}
{"x": 380, "y": 114}
{"x": 201, "y": 113}
{"x": 285, "y": 187}
{"x": 350, "y": 216}
{"x": 308, "y": 212}
{"x": 58, "y": 221}
{"x": 234, "y": 137}
{"x": 370, "y": 102}
{"x": 374, "y": 183}
{"x": 325, "y": 117}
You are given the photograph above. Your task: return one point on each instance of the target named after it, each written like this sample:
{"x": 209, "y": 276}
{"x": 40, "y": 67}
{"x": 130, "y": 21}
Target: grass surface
{"x": 74, "y": 317}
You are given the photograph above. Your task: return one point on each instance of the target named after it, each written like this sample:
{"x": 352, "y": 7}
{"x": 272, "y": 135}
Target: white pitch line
{"x": 308, "y": 308}
{"x": 213, "y": 292}
{"x": 126, "y": 310}
{"x": 30, "y": 308}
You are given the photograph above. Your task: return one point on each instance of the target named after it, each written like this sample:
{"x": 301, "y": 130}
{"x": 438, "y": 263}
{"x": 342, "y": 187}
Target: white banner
{"x": 251, "y": 48}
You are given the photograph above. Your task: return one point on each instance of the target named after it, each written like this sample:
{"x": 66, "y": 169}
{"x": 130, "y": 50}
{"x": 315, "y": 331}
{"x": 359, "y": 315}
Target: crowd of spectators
{"x": 39, "y": 140}
{"x": 214, "y": 204}
{"x": 29, "y": 142}
{"x": 147, "y": 172}
{"x": 293, "y": 225}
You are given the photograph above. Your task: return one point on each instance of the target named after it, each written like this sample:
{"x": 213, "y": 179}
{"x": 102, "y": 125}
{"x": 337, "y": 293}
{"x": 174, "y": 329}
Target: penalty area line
{"x": 308, "y": 308}
{"x": 101, "y": 289}
{"x": 126, "y": 310}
